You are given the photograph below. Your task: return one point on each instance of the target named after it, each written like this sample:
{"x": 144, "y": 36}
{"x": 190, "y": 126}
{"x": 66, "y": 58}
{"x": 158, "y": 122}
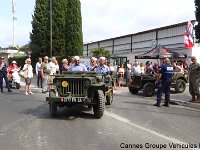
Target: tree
{"x": 58, "y": 26}
{"x": 40, "y": 36}
{"x": 40, "y": 24}
{"x": 73, "y": 30}
{"x": 100, "y": 52}
{"x": 197, "y": 13}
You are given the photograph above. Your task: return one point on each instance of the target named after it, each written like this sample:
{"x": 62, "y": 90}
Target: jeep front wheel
{"x": 148, "y": 89}
{"x": 133, "y": 90}
{"x": 52, "y": 109}
{"x": 98, "y": 108}
{"x": 180, "y": 86}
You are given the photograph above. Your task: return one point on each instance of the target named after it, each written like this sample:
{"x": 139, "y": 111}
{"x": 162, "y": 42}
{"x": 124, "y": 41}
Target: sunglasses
{"x": 193, "y": 59}
{"x": 92, "y": 61}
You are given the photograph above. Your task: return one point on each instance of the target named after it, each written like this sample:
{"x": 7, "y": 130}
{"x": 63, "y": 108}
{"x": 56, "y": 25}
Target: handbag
{"x": 23, "y": 74}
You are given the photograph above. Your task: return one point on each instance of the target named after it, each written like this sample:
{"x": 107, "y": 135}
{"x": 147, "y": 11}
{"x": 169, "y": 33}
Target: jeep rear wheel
{"x": 52, "y": 109}
{"x": 180, "y": 86}
{"x": 148, "y": 89}
{"x": 133, "y": 90}
{"x": 109, "y": 98}
{"x": 98, "y": 108}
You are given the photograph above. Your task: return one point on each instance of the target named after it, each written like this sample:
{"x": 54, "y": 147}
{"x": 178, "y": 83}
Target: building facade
{"x": 171, "y": 37}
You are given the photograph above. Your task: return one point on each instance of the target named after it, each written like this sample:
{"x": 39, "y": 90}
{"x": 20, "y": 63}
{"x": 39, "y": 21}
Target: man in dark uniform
{"x": 164, "y": 82}
{"x": 3, "y": 75}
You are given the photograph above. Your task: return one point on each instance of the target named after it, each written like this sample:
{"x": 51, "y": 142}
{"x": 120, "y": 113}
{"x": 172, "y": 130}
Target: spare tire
{"x": 180, "y": 86}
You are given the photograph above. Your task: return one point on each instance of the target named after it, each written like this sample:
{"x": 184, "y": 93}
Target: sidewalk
{"x": 124, "y": 90}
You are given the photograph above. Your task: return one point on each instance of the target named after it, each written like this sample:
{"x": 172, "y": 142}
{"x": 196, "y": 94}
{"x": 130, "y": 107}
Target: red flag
{"x": 189, "y": 36}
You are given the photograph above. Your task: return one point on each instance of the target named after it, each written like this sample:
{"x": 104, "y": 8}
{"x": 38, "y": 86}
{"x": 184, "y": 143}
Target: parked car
{"x": 146, "y": 82}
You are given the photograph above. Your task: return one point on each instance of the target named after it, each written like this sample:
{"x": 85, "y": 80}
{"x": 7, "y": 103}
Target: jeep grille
{"x": 137, "y": 80}
{"x": 75, "y": 88}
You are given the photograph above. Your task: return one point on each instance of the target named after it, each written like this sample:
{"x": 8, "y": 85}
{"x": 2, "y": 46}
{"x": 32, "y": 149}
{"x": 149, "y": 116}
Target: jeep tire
{"x": 148, "y": 89}
{"x": 133, "y": 90}
{"x": 98, "y": 108}
{"x": 53, "y": 109}
{"x": 180, "y": 86}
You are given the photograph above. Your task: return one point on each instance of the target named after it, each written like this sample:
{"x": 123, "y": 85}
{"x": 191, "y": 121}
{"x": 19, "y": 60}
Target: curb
{"x": 186, "y": 104}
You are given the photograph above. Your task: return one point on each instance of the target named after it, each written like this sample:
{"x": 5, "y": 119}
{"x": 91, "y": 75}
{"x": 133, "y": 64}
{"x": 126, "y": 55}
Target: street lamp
{"x": 50, "y": 28}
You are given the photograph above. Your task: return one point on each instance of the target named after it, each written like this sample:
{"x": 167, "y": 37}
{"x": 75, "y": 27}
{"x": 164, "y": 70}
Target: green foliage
{"x": 40, "y": 28}
{"x": 24, "y": 48}
{"x": 197, "y": 13}
{"x": 19, "y": 59}
{"x": 58, "y": 26}
{"x": 74, "y": 35}
{"x": 100, "y": 52}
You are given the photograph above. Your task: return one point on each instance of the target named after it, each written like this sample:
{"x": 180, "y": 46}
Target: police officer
{"x": 77, "y": 66}
{"x": 164, "y": 81}
{"x": 194, "y": 75}
{"x": 3, "y": 75}
{"x": 93, "y": 64}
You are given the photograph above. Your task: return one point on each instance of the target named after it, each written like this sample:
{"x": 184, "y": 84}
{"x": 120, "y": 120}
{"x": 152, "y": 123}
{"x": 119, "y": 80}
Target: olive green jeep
{"x": 86, "y": 88}
{"x": 146, "y": 82}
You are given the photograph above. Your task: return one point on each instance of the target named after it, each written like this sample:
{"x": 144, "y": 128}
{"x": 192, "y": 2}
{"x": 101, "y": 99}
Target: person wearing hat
{"x": 77, "y": 66}
{"x": 164, "y": 82}
{"x": 93, "y": 64}
{"x": 3, "y": 75}
{"x": 194, "y": 77}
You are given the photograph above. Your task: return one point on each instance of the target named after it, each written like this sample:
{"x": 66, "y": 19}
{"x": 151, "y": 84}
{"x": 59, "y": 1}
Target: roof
{"x": 142, "y": 32}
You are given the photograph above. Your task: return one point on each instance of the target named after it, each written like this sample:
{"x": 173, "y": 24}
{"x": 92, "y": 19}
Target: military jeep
{"x": 72, "y": 88}
{"x": 146, "y": 82}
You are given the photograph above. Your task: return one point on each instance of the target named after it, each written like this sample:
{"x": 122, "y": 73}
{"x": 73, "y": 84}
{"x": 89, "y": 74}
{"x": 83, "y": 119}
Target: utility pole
{"x": 50, "y": 28}
{"x": 14, "y": 18}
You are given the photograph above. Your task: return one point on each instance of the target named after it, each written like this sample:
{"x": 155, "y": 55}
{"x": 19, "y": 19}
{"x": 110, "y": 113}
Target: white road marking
{"x": 122, "y": 119}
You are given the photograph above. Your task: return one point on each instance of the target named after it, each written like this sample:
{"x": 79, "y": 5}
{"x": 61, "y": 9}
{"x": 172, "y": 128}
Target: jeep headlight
{"x": 87, "y": 83}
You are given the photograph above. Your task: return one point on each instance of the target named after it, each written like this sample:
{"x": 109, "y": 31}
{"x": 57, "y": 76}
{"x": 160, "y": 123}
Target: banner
{"x": 189, "y": 36}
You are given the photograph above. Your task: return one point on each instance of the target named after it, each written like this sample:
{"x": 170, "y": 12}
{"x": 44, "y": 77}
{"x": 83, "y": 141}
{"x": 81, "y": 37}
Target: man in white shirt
{"x": 38, "y": 72}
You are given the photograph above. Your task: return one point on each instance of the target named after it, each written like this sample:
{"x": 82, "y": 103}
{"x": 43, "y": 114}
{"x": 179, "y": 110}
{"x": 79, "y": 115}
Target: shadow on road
{"x": 63, "y": 113}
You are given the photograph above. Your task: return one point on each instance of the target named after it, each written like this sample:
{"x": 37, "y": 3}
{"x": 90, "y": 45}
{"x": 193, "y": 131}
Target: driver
{"x": 77, "y": 66}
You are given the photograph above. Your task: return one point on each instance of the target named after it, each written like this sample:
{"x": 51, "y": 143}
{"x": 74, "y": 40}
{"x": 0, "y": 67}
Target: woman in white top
{"x": 28, "y": 69}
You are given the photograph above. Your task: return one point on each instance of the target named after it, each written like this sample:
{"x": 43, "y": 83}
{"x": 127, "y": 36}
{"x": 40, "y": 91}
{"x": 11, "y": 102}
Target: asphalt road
{"x": 25, "y": 125}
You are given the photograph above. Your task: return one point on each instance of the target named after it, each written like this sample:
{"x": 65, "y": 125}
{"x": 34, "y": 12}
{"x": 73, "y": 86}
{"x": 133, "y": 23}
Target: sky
{"x": 102, "y": 19}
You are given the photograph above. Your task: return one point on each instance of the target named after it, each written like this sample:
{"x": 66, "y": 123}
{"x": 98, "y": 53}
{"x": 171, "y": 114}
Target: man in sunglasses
{"x": 194, "y": 77}
{"x": 93, "y": 64}
{"x": 77, "y": 66}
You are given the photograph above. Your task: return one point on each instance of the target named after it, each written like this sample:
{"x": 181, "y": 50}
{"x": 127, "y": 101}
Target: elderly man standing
{"x": 194, "y": 75}
{"x": 77, "y": 66}
{"x": 164, "y": 82}
{"x": 45, "y": 73}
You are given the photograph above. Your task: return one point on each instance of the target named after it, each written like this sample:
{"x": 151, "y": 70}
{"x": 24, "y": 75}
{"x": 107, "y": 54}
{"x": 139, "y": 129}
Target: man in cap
{"x": 77, "y": 66}
{"x": 194, "y": 74}
{"x": 93, "y": 64}
{"x": 164, "y": 82}
{"x": 3, "y": 75}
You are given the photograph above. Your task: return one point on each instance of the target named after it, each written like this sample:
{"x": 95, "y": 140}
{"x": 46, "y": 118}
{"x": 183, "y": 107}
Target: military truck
{"x": 146, "y": 82}
{"x": 72, "y": 88}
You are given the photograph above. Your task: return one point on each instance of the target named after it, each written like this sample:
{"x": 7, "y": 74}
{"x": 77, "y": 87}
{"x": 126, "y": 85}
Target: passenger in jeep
{"x": 77, "y": 66}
